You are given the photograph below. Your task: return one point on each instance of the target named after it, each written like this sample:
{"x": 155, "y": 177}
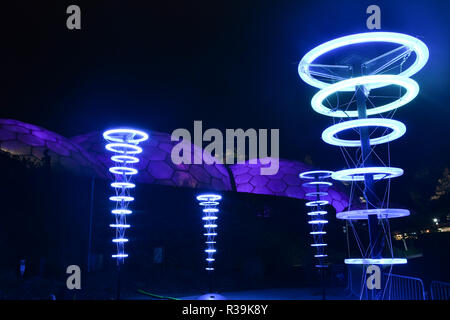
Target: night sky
{"x": 232, "y": 64}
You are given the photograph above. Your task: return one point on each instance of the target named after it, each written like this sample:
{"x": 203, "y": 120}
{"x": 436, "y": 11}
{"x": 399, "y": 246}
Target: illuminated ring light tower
{"x": 360, "y": 78}
{"x": 317, "y": 215}
{"x": 209, "y": 203}
{"x": 124, "y": 144}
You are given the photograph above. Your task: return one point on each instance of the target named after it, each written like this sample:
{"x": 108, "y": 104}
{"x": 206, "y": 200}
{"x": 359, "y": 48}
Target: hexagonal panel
{"x": 259, "y": 181}
{"x": 277, "y": 186}
{"x": 246, "y": 187}
{"x": 199, "y": 173}
{"x": 292, "y": 180}
{"x": 243, "y": 178}
{"x": 160, "y": 170}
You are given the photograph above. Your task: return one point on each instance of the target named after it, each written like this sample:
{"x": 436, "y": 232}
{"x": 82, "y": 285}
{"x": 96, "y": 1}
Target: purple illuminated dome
{"x": 86, "y": 154}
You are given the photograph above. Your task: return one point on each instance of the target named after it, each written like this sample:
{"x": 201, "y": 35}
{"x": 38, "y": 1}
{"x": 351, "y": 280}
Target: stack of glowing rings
{"x": 124, "y": 144}
{"x": 368, "y": 82}
{"x": 209, "y": 202}
{"x": 317, "y": 221}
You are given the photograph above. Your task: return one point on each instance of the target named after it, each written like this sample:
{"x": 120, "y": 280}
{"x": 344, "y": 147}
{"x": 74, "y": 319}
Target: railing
{"x": 394, "y": 287}
{"x": 399, "y": 287}
{"x": 440, "y": 290}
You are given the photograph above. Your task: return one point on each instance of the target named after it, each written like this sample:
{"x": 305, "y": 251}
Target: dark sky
{"x": 233, "y": 64}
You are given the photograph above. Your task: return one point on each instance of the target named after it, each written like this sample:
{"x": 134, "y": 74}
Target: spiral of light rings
{"x": 407, "y": 45}
{"x": 124, "y": 143}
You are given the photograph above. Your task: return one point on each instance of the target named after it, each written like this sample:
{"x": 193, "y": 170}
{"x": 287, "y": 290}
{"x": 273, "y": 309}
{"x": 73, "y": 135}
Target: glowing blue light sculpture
{"x": 338, "y": 79}
{"x": 124, "y": 144}
{"x": 209, "y": 204}
{"x": 317, "y": 222}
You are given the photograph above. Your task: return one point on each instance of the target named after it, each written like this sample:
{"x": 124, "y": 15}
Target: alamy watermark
{"x": 74, "y": 280}
{"x": 374, "y": 279}
{"x": 374, "y": 20}
{"x": 235, "y": 147}
{"x": 73, "y": 21}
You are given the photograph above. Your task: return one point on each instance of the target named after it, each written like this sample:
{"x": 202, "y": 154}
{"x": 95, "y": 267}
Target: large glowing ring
{"x": 318, "y": 244}
{"x": 126, "y": 185}
{"x": 357, "y": 174}
{"x": 209, "y": 197}
{"x": 119, "y": 225}
{"x": 415, "y": 44}
{"x": 329, "y": 134}
{"x": 317, "y": 203}
{"x": 316, "y": 213}
{"x": 317, "y": 232}
{"x": 122, "y": 135}
{"x": 320, "y": 255}
{"x": 318, "y": 221}
{"x": 209, "y": 203}
{"x": 211, "y": 209}
{"x": 209, "y": 218}
{"x": 387, "y": 213}
{"x": 124, "y": 159}
{"x": 120, "y": 255}
{"x": 121, "y": 211}
{"x": 316, "y": 194}
{"x": 120, "y": 240}
{"x": 412, "y": 89}
{"x": 125, "y": 148}
{"x": 123, "y": 170}
{"x": 121, "y": 198}
{"x": 316, "y": 174}
{"x": 317, "y": 183}
{"x": 376, "y": 261}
